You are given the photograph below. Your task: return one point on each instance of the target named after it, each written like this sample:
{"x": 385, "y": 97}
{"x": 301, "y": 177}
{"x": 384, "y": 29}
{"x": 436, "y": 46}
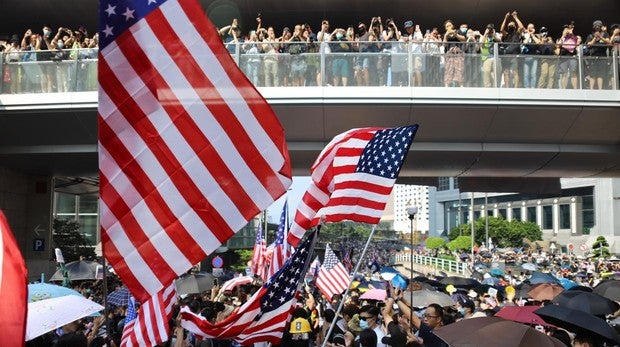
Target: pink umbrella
{"x": 374, "y": 294}
{"x": 522, "y": 314}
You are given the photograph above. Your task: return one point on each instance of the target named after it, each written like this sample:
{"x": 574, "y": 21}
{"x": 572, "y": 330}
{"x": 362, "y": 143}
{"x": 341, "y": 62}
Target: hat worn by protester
{"x": 450, "y": 289}
{"x": 408, "y": 24}
{"x": 354, "y": 324}
{"x": 597, "y": 23}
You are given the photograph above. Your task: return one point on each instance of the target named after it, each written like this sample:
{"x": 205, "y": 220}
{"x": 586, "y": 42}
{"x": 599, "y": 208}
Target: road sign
{"x": 217, "y": 262}
{"x": 38, "y": 245}
{"x": 583, "y": 247}
{"x": 571, "y": 246}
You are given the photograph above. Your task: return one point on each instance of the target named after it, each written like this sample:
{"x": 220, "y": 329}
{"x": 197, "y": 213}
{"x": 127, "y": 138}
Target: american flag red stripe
{"x": 150, "y": 328}
{"x": 237, "y": 281}
{"x": 333, "y": 278}
{"x": 352, "y": 178}
{"x": 280, "y": 246}
{"x": 189, "y": 150}
{"x": 263, "y": 317}
{"x": 258, "y": 255}
{"x": 13, "y": 288}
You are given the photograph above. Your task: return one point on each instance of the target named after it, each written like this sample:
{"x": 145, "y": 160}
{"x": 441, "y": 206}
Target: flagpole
{"x": 346, "y": 292}
{"x": 105, "y": 291}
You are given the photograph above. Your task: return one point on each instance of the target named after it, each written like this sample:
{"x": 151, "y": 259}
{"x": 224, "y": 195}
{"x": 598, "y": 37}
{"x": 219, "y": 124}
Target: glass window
{"x": 516, "y": 213}
{"x": 490, "y": 213}
{"x": 502, "y": 212}
{"x": 88, "y": 228}
{"x": 65, "y": 203}
{"x": 587, "y": 210}
{"x": 531, "y": 214}
{"x": 565, "y": 216}
{"x": 547, "y": 217}
{"x": 476, "y": 215}
{"x": 88, "y": 203}
{"x": 443, "y": 183}
{"x": 456, "y": 183}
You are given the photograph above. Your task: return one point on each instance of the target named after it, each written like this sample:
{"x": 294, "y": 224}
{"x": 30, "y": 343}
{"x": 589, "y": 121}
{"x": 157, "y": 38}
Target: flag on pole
{"x": 258, "y": 255}
{"x": 236, "y": 281}
{"x": 353, "y": 178}
{"x": 333, "y": 278}
{"x": 189, "y": 151}
{"x": 13, "y": 288}
{"x": 280, "y": 248}
{"x": 149, "y": 327}
{"x": 346, "y": 258}
{"x": 315, "y": 267}
{"x": 263, "y": 317}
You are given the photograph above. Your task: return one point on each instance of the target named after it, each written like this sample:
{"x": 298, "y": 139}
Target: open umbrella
{"x": 521, "y": 289}
{"x": 388, "y": 272}
{"x": 496, "y": 272}
{"x": 78, "y": 270}
{"x": 43, "y": 291}
{"x": 542, "y": 277}
{"x": 119, "y": 297}
{"x": 374, "y": 294}
{"x": 457, "y": 281}
{"x": 49, "y": 314}
{"x": 588, "y": 302}
{"x": 578, "y": 322}
{"x": 529, "y": 266}
{"x": 194, "y": 283}
{"x": 424, "y": 297}
{"x": 609, "y": 289}
{"x": 567, "y": 284}
{"x": 545, "y": 291}
{"x": 522, "y": 314}
{"x": 493, "y": 332}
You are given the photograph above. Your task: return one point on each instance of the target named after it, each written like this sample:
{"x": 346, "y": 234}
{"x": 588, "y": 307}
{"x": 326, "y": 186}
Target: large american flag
{"x": 333, "y": 278}
{"x": 13, "y": 288}
{"x": 263, "y": 317}
{"x": 258, "y": 255}
{"x": 280, "y": 248}
{"x": 150, "y": 326}
{"x": 189, "y": 151}
{"x": 353, "y": 178}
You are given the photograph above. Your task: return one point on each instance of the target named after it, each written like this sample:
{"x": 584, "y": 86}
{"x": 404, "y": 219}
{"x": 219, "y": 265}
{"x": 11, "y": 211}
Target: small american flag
{"x": 189, "y": 151}
{"x": 149, "y": 327}
{"x": 258, "y": 255}
{"x": 280, "y": 249}
{"x": 353, "y": 178}
{"x": 333, "y": 278}
{"x": 263, "y": 317}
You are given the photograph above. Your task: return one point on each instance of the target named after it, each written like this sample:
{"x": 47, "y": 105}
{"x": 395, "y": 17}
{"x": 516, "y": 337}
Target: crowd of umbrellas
{"x": 542, "y": 301}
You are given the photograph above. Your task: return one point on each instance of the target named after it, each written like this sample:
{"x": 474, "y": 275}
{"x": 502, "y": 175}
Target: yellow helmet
{"x": 300, "y": 325}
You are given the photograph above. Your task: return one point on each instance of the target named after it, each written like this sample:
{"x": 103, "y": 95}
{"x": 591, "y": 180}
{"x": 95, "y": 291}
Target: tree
{"x": 435, "y": 243}
{"x": 245, "y": 255}
{"x": 502, "y": 232}
{"x": 460, "y": 243}
{"x": 66, "y": 236}
{"x": 599, "y": 247}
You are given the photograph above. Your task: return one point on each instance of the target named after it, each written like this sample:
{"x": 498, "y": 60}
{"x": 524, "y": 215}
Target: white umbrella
{"x": 47, "y": 315}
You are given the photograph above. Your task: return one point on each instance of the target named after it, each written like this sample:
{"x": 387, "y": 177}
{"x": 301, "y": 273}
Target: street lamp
{"x": 411, "y": 212}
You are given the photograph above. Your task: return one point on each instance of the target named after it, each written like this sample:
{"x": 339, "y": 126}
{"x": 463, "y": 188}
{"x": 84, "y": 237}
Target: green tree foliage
{"x": 502, "y": 232}
{"x": 600, "y": 247}
{"x": 435, "y": 243}
{"x": 460, "y": 243}
{"x": 245, "y": 255}
{"x": 66, "y": 236}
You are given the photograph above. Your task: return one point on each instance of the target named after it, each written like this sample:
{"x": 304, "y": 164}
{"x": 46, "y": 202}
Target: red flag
{"x": 13, "y": 288}
{"x": 150, "y": 327}
{"x": 258, "y": 255}
{"x": 353, "y": 177}
{"x": 189, "y": 151}
{"x": 263, "y": 317}
{"x": 333, "y": 278}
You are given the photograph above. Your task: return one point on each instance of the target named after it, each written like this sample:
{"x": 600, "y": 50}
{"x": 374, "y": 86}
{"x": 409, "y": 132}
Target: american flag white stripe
{"x": 191, "y": 151}
{"x": 151, "y": 326}
{"x": 237, "y": 281}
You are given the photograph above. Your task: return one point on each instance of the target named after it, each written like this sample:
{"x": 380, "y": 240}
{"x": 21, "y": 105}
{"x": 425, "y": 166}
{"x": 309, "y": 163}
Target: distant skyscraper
{"x": 404, "y": 195}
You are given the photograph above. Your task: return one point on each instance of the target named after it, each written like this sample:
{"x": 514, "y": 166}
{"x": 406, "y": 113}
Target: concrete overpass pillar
{"x": 27, "y": 203}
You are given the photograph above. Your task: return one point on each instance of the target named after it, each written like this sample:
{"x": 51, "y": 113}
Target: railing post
{"x": 2, "y": 72}
{"x": 579, "y": 67}
{"x": 322, "y": 60}
{"x": 496, "y": 77}
{"x": 614, "y": 68}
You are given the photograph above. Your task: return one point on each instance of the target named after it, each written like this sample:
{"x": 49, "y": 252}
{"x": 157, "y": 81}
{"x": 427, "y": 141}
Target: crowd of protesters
{"x": 453, "y": 55}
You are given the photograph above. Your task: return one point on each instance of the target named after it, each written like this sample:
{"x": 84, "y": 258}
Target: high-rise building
{"x": 404, "y": 195}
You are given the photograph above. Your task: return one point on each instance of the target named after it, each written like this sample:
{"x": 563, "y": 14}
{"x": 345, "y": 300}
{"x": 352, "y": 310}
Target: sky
{"x": 294, "y": 194}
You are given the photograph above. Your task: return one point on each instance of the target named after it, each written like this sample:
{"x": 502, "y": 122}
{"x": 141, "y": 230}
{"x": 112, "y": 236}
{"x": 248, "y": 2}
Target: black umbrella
{"x": 588, "y": 302}
{"x": 521, "y": 290}
{"x": 581, "y": 289}
{"x": 578, "y": 322}
{"x": 609, "y": 289}
{"x": 78, "y": 270}
{"x": 463, "y": 282}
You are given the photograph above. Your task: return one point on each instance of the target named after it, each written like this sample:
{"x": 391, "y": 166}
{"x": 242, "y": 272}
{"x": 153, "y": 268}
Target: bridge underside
{"x": 472, "y": 139}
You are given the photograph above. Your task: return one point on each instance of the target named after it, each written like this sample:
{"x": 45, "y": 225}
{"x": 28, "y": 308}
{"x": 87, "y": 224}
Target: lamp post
{"x": 412, "y": 210}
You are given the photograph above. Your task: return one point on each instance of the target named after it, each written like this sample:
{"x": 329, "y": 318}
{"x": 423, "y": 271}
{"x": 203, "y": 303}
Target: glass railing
{"x": 391, "y": 64}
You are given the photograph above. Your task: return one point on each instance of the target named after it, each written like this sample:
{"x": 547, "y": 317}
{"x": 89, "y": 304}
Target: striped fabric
{"x": 150, "y": 326}
{"x": 333, "y": 278}
{"x": 353, "y": 178}
{"x": 258, "y": 267}
{"x": 189, "y": 151}
{"x": 237, "y": 281}
{"x": 280, "y": 247}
